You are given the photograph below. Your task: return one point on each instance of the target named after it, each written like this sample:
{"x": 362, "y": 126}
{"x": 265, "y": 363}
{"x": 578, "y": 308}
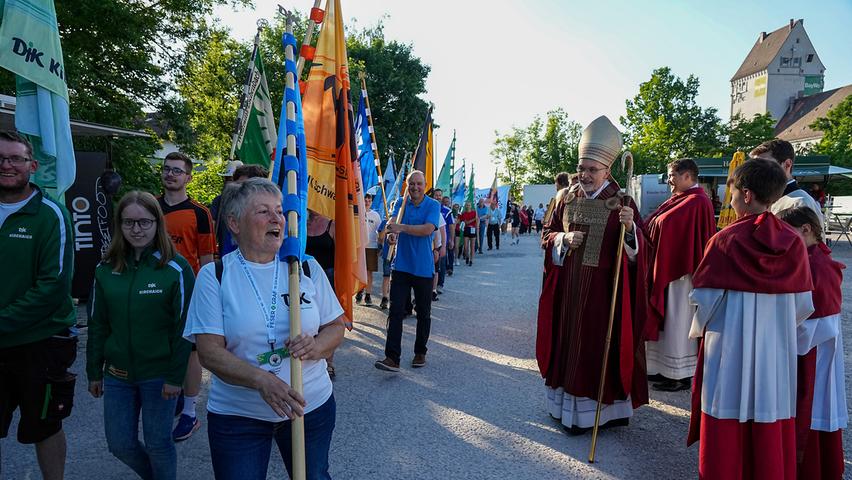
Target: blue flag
{"x": 502, "y": 198}
{"x": 388, "y": 180}
{"x": 364, "y": 139}
{"x": 458, "y": 193}
{"x": 396, "y": 190}
{"x": 298, "y": 200}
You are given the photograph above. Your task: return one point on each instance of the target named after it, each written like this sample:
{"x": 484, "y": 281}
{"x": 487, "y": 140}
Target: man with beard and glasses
{"x": 38, "y": 342}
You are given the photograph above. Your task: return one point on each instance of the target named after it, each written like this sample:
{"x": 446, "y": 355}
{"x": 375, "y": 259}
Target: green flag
{"x": 30, "y": 48}
{"x": 470, "y": 189}
{"x": 445, "y": 177}
{"x": 29, "y": 43}
{"x": 255, "y": 138}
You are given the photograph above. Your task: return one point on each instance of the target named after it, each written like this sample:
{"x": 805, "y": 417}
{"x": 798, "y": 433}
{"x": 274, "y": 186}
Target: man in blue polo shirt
{"x": 413, "y": 268}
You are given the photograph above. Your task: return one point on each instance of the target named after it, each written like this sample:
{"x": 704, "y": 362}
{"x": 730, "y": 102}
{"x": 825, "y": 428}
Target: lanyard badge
{"x": 275, "y": 357}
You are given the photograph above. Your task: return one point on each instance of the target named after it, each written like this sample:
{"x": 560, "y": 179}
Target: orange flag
{"x": 334, "y": 188}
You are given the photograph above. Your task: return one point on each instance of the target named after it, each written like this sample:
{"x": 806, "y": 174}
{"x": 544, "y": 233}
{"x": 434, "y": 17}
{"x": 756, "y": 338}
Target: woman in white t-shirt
{"x": 239, "y": 319}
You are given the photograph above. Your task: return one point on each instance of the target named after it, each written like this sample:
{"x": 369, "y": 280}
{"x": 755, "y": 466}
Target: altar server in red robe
{"x": 821, "y": 400}
{"x": 752, "y": 289}
{"x": 679, "y": 229}
{"x": 582, "y": 238}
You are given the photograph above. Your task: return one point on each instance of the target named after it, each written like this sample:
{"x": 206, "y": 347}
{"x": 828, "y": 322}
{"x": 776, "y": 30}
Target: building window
{"x": 810, "y": 58}
{"x": 785, "y": 61}
{"x": 797, "y": 40}
{"x": 797, "y": 61}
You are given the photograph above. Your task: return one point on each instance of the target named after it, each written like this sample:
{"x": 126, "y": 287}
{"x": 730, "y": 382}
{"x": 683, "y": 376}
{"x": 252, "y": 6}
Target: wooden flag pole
{"x": 399, "y": 215}
{"x": 314, "y": 20}
{"x": 627, "y": 159}
{"x": 297, "y": 425}
{"x": 373, "y": 140}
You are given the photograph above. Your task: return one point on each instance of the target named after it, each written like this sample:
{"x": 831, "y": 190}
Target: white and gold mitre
{"x": 601, "y": 142}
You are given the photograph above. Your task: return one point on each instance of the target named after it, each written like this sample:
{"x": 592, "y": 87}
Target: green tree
{"x": 207, "y": 184}
{"x": 536, "y": 153}
{"x": 744, "y": 134}
{"x": 117, "y": 55}
{"x": 509, "y": 152}
{"x": 836, "y": 127}
{"x": 664, "y": 122}
{"x": 553, "y": 144}
{"x": 209, "y": 87}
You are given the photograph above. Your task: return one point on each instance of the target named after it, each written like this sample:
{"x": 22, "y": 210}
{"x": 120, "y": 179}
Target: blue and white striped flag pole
{"x": 290, "y": 174}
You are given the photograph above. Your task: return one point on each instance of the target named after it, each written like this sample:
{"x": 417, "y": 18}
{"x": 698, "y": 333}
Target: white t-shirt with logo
{"x": 232, "y": 311}
{"x": 373, "y": 220}
{"x": 7, "y": 209}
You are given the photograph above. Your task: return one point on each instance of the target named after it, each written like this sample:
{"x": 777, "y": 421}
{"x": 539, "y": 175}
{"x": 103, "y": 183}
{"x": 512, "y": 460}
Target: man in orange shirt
{"x": 190, "y": 226}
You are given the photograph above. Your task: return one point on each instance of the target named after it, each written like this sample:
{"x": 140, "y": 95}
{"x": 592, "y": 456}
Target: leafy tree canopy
{"x": 664, "y": 122}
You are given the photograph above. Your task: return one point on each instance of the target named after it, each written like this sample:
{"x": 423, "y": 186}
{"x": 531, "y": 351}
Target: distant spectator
{"x": 818, "y": 193}
{"x": 482, "y": 212}
{"x": 371, "y": 250}
{"x": 538, "y": 216}
{"x": 469, "y": 219}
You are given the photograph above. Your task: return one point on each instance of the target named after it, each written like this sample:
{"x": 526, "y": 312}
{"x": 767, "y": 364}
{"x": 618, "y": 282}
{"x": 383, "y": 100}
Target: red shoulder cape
{"x": 827, "y": 275}
{"x": 679, "y": 230}
{"x": 757, "y": 253}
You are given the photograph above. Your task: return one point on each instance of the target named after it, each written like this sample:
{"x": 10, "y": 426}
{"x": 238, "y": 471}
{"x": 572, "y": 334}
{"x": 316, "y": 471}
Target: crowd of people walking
{"x": 181, "y": 288}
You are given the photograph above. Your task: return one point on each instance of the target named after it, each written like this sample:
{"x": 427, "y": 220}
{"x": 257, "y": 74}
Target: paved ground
{"x": 475, "y": 412}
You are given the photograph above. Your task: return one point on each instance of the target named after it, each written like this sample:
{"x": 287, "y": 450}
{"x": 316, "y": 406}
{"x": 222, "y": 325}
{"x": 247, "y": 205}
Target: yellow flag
{"x": 727, "y": 216}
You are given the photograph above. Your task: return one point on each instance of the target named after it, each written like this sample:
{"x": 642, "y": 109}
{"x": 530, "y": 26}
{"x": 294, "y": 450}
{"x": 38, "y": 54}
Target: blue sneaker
{"x": 186, "y": 426}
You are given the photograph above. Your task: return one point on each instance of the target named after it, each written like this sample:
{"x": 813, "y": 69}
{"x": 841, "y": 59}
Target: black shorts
{"x": 470, "y": 232}
{"x": 34, "y": 377}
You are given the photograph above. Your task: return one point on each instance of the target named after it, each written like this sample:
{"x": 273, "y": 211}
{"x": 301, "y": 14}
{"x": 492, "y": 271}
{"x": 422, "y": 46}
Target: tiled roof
{"x": 763, "y": 52}
{"x": 796, "y": 123}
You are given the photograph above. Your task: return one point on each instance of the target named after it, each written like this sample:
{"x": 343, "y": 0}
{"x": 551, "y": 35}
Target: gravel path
{"x": 476, "y": 411}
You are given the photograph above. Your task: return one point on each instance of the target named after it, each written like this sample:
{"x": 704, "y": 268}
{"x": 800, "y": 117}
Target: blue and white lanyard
{"x": 270, "y": 317}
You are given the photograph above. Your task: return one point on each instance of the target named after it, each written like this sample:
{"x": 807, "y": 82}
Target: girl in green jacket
{"x": 136, "y": 356}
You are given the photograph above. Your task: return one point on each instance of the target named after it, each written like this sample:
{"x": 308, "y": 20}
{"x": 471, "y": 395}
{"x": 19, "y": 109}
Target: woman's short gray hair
{"x": 236, "y": 196}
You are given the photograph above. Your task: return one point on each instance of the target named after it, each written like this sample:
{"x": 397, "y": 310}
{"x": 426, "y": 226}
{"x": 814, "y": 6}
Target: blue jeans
{"x": 442, "y": 270}
{"x": 123, "y": 403}
{"x": 481, "y": 236}
{"x": 240, "y": 447}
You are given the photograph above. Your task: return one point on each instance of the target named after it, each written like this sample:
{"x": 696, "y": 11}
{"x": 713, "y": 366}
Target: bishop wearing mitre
{"x": 582, "y": 238}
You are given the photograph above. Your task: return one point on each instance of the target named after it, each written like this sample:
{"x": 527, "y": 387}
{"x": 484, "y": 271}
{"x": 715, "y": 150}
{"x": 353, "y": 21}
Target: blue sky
{"x": 498, "y": 63}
